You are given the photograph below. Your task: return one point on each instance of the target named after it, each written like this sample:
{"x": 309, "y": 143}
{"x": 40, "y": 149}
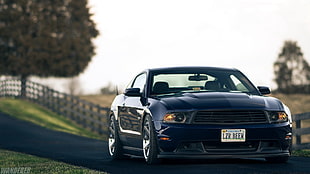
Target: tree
{"x": 109, "y": 89}
{"x": 73, "y": 86}
{"x": 45, "y": 38}
{"x": 291, "y": 69}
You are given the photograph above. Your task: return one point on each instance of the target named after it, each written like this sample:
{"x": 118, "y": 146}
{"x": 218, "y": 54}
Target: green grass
{"x": 36, "y": 114}
{"x": 302, "y": 153}
{"x": 104, "y": 100}
{"x": 32, "y": 164}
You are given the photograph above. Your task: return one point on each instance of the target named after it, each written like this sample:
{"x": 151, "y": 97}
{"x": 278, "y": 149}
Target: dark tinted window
{"x": 209, "y": 81}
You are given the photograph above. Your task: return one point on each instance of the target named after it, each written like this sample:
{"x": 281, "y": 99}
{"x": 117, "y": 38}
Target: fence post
{"x": 54, "y": 100}
{"x": 72, "y": 109}
{"x": 91, "y": 115}
{"x": 298, "y": 137}
{"x": 100, "y": 130}
{"x": 23, "y": 92}
{"x": 57, "y": 102}
{"x": 2, "y": 87}
{"x": 78, "y": 112}
{"x": 84, "y": 114}
{"x": 66, "y": 106}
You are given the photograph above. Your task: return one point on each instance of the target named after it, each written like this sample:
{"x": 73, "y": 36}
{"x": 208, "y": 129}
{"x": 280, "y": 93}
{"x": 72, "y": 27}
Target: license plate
{"x": 233, "y": 135}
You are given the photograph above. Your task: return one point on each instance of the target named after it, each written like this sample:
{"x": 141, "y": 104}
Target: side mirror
{"x": 133, "y": 92}
{"x": 264, "y": 90}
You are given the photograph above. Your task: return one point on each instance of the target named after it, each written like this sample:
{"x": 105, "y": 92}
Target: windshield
{"x": 215, "y": 81}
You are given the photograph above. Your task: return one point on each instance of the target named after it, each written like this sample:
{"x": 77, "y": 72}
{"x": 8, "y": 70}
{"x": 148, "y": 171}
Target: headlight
{"x": 277, "y": 117}
{"x": 178, "y": 117}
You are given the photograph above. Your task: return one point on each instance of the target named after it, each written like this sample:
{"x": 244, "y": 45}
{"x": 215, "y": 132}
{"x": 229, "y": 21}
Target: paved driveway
{"x": 21, "y": 136}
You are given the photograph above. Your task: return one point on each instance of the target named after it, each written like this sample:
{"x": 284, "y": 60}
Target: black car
{"x": 198, "y": 112}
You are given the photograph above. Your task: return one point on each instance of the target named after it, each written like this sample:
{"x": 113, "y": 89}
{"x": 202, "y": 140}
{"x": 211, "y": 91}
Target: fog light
{"x": 164, "y": 138}
{"x": 288, "y": 136}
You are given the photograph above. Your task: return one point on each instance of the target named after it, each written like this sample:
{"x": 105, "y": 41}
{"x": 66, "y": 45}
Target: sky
{"x": 243, "y": 34}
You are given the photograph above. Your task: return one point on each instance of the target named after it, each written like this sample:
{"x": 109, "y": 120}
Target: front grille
{"x": 216, "y": 147}
{"x": 249, "y": 146}
{"x": 230, "y": 117}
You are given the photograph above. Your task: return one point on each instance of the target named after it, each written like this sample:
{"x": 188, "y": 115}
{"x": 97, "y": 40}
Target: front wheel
{"x": 114, "y": 143}
{"x": 149, "y": 142}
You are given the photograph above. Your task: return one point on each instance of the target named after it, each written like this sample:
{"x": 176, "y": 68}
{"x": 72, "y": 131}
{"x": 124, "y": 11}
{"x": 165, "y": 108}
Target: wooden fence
{"x": 94, "y": 117}
{"x": 299, "y": 131}
{"x": 89, "y": 115}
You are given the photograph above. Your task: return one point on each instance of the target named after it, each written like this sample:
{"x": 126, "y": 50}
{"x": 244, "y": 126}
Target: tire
{"x": 280, "y": 159}
{"x": 114, "y": 143}
{"x": 149, "y": 142}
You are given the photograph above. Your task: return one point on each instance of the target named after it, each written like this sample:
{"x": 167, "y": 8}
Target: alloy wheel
{"x": 111, "y": 137}
{"x": 146, "y": 138}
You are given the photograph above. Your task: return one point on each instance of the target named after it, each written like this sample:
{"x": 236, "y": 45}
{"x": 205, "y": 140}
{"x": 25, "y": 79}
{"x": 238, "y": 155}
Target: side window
{"x": 139, "y": 82}
{"x": 239, "y": 86}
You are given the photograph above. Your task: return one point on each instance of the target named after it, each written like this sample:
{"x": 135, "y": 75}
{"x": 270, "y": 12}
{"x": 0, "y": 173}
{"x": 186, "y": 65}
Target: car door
{"x": 130, "y": 114}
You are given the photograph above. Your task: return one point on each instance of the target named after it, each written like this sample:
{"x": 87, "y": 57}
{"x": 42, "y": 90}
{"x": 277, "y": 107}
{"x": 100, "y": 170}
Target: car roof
{"x": 188, "y": 69}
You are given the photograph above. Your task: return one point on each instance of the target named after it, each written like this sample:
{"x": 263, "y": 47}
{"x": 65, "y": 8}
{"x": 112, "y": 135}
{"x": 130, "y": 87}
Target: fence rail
{"x": 89, "y": 115}
{"x": 93, "y": 116}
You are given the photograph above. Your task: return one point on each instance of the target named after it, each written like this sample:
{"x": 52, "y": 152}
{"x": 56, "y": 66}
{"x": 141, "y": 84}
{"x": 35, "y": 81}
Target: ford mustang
{"x": 198, "y": 112}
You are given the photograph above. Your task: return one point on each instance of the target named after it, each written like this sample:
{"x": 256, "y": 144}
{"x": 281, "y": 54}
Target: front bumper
{"x": 204, "y": 141}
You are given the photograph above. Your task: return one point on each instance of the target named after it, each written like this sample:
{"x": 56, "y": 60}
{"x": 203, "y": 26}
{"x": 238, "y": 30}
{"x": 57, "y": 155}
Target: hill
{"x": 298, "y": 103}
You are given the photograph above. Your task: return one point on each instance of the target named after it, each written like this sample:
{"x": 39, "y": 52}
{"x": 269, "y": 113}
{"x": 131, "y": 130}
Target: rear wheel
{"x": 115, "y": 147}
{"x": 149, "y": 142}
{"x": 280, "y": 159}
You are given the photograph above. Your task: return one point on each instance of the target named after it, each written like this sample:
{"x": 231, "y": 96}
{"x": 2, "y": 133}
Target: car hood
{"x": 220, "y": 100}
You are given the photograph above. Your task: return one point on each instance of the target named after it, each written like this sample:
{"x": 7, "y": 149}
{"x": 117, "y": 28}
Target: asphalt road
{"x": 21, "y": 136}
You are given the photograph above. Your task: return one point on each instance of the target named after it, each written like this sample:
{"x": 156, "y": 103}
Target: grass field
{"x": 39, "y": 115}
{"x": 103, "y": 100}
{"x": 12, "y": 161}
{"x": 301, "y": 153}
{"x": 298, "y": 103}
